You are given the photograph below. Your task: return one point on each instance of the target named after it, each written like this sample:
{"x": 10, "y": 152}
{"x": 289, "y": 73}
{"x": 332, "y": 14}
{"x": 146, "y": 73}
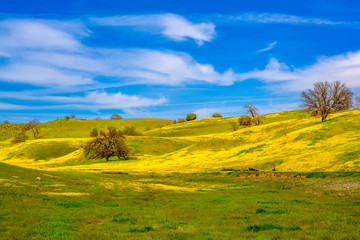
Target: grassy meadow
{"x": 187, "y": 180}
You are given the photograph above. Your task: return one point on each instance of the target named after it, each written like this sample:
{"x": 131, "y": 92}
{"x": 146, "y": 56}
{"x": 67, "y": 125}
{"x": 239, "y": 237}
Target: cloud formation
{"x": 64, "y": 60}
{"x": 173, "y": 26}
{"x": 278, "y": 18}
{"x": 269, "y": 47}
{"x": 343, "y": 67}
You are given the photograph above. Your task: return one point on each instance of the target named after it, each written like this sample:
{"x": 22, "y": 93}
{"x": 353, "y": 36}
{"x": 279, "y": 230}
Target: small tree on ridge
{"x": 327, "y": 98}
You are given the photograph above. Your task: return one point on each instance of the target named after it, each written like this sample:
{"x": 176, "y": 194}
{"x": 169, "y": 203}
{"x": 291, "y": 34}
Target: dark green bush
{"x": 190, "y": 117}
{"x": 214, "y": 115}
{"x": 131, "y": 131}
{"x": 245, "y": 121}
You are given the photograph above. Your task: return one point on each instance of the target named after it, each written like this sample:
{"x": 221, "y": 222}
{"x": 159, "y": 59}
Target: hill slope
{"x": 287, "y": 141}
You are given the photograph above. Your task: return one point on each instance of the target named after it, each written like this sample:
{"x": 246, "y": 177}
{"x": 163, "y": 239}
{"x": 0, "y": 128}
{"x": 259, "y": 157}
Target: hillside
{"x": 287, "y": 141}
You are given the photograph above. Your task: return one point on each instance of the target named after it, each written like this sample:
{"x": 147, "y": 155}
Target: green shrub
{"x": 131, "y": 131}
{"x": 245, "y": 121}
{"x": 190, "y": 117}
{"x": 234, "y": 126}
{"x": 215, "y": 115}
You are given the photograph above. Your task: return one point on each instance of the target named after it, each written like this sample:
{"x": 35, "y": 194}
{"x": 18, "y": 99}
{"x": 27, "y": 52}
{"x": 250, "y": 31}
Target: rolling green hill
{"x": 286, "y": 141}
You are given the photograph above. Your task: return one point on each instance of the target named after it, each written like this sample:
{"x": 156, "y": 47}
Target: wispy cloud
{"x": 65, "y": 61}
{"x": 170, "y": 25}
{"x": 269, "y": 47}
{"x": 94, "y": 100}
{"x": 51, "y": 55}
{"x": 6, "y": 106}
{"x": 279, "y": 18}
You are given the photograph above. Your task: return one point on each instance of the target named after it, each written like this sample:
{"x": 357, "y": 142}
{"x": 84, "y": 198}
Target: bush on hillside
{"x": 20, "y": 136}
{"x": 191, "y": 117}
{"x": 67, "y": 117}
{"x": 131, "y": 131}
{"x": 234, "y": 126}
{"x": 215, "y": 115}
{"x": 245, "y": 121}
{"x": 179, "y": 120}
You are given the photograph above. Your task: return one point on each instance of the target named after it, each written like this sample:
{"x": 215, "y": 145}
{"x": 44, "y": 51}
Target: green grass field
{"x": 187, "y": 181}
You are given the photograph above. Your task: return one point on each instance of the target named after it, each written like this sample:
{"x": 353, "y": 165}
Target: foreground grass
{"x": 78, "y": 205}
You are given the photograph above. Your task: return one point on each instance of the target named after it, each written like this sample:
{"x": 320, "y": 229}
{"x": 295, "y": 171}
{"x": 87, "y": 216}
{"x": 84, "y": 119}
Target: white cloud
{"x": 94, "y": 100}
{"x": 269, "y": 47}
{"x": 40, "y": 75}
{"x": 6, "y": 106}
{"x": 104, "y": 100}
{"x": 49, "y": 53}
{"x": 343, "y": 67}
{"x": 173, "y": 26}
{"x": 255, "y": 17}
{"x": 20, "y": 34}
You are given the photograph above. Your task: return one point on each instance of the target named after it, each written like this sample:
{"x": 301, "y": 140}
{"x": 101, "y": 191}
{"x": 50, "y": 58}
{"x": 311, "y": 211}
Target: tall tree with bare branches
{"x": 327, "y": 98}
{"x": 253, "y": 111}
{"x": 33, "y": 125}
{"x": 357, "y": 102}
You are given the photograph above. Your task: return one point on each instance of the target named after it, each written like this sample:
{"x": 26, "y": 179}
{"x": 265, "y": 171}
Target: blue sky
{"x": 165, "y": 59}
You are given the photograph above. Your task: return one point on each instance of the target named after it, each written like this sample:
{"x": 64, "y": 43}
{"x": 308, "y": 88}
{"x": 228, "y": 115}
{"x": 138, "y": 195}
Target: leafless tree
{"x": 253, "y": 111}
{"x": 327, "y": 98}
{"x": 6, "y": 122}
{"x": 357, "y": 102}
{"x": 33, "y": 125}
{"x": 72, "y": 116}
{"x": 106, "y": 144}
{"x": 116, "y": 116}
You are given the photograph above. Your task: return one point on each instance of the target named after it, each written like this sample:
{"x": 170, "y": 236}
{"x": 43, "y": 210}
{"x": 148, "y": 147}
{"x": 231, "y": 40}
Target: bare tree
{"x": 327, "y": 98}
{"x": 6, "y": 122}
{"x": 253, "y": 111}
{"x": 33, "y": 125}
{"x": 116, "y": 116}
{"x": 357, "y": 102}
{"x": 106, "y": 144}
{"x": 72, "y": 116}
